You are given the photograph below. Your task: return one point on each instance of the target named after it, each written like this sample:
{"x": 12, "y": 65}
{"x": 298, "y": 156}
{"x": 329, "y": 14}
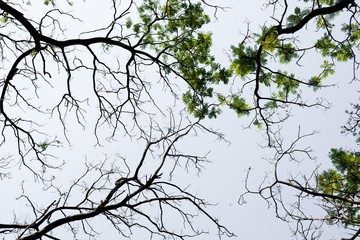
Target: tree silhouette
{"x": 142, "y": 76}
{"x": 44, "y": 99}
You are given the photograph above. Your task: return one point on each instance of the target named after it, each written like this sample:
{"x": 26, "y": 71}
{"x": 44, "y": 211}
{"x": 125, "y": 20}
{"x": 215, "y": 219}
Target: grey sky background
{"x": 221, "y": 181}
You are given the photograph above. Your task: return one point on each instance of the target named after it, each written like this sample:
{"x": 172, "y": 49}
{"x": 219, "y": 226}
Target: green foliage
{"x": 43, "y": 145}
{"x": 339, "y": 186}
{"x": 244, "y": 62}
{"x": 4, "y": 17}
{"x": 298, "y": 15}
{"x": 198, "y": 107}
{"x": 254, "y": 58}
{"x": 239, "y": 105}
{"x": 199, "y": 69}
{"x": 286, "y": 52}
{"x": 344, "y": 182}
{"x": 328, "y": 69}
{"x": 128, "y": 23}
{"x": 46, "y": 143}
{"x": 258, "y": 124}
{"x": 339, "y": 51}
{"x": 47, "y": 2}
{"x": 325, "y": 45}
{"x": 330, "y": 181}
{"x": 286, "y": 84}
{"x": 327, "y": 2}
{"x": 271, "y": 104}
{"x": 353, "y": 32}
{"x": 33, "y": 53}
{"x": 236, "y": 103}
{"x": 268, "y": 39}
{"x": 173, "y": 31}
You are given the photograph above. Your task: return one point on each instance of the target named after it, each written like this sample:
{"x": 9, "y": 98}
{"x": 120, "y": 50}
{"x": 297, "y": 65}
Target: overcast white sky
{"x": 222, "y": 181}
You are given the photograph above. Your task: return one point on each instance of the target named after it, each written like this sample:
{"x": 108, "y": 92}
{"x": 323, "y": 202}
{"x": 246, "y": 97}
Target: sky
{"x": 221, "y": 181}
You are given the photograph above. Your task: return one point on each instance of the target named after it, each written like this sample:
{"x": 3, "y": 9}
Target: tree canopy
{"x": 142, "y": 78}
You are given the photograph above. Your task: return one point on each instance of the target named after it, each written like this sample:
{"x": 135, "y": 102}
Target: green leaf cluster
{"x": 286, "y": 52}
{"x": 244, "y": 60}
{"x": 198, "y": 107}
{"x": 47, "y": 2}
{"x": 286, "y": 84}
{"x": 268, "y": 39}
{"x": 236, "y": 103}
{"x": 4, "y": 17}
{"x": 339, "y": 51}
{"x": 43, "y": 145}
{"x": 239, "y": 105}
{"x": 200, "y": 71}
{"x": 46, "y": 143}
{"x": 160, "y": 22}
{"x": 297, "y": 16}
{"x": 343, "y": 181}
{"x": 253, "y": 60}
{"x": 328, "y": 69}
{"x": 278, "y": 44}
{"x": 173, "y": 31}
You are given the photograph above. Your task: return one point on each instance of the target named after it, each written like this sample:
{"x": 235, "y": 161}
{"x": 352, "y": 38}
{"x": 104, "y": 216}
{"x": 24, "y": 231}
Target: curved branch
{"x": 317, "y": 12}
